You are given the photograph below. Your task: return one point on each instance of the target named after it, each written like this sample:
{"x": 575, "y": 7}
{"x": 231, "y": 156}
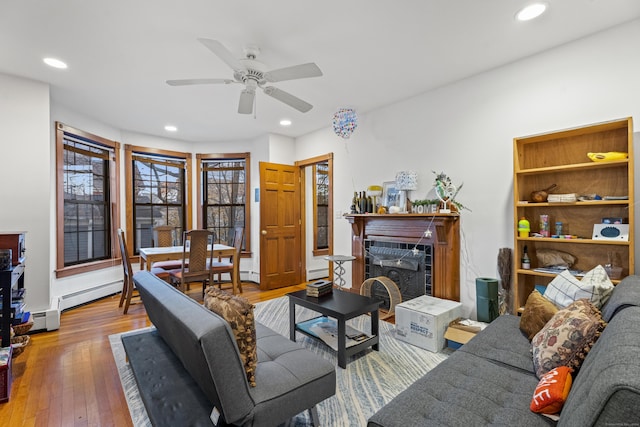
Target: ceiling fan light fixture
{"x": 531, "y": 11}
{"x": 171, "y": 128}
{"x": 55, "y": 63}
{"x": 285, "y": 122}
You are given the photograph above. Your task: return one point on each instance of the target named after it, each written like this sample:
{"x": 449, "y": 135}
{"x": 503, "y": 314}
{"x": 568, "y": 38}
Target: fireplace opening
{"x": 407, "y": 264}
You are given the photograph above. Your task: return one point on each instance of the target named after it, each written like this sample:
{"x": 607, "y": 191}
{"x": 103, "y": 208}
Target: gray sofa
{"x": 490, "y": 380}
{"x": 189, "y": 372}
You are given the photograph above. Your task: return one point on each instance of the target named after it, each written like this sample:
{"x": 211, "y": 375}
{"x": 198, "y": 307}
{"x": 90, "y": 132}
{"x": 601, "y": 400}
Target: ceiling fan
{"x": 252, "y": 74}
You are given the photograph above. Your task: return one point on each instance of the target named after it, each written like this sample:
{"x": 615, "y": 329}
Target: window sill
{"x": 88, "y": 267}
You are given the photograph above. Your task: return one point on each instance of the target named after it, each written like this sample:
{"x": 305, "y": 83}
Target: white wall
{"x": 25, "y": 176}
{"x": 466, "y": 129}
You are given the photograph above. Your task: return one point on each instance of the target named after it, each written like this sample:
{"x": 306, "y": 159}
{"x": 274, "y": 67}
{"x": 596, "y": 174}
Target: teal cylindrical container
{"x": 486, "y": 299}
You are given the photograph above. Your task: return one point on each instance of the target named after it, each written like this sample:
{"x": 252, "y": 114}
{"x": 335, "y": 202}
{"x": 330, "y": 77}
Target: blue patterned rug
{"x": 371, "y": 379}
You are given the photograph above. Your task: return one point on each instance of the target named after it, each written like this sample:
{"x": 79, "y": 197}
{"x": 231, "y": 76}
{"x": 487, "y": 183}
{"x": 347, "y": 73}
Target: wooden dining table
{"x": 149, "y": 256}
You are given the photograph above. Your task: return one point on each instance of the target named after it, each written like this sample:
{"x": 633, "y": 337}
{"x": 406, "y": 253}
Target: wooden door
{"x": 280, "y": 223}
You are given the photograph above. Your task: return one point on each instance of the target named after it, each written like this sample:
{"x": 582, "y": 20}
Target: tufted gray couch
{"x": 490, "y": 380}
{"x": 189, "y": 371}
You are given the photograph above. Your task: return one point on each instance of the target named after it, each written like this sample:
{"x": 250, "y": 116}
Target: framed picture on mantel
{"x": 390, "y": 194}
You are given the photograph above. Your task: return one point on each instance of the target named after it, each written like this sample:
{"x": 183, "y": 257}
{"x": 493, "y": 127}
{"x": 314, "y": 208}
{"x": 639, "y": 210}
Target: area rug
{"x": 371, "y": 379}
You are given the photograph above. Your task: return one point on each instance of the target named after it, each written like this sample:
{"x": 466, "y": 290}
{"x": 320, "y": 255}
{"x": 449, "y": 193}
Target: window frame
{"x": 114, "y": 201}
{"x": 202, "y": 159}
{"x": 129, "y": 152}
{"x": 302, "y": 164}
{"x": 316, "y": 250}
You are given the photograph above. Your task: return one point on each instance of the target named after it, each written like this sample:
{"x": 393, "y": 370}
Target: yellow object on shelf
{"x": 523, "y": 227}
{"x": 608, "y": 156}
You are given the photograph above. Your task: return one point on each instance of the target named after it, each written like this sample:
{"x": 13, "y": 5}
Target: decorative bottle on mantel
{"x": 354, "y": 203}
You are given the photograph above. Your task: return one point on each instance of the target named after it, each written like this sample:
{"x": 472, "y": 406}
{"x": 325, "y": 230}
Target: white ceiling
{"x": 372, "y": 53}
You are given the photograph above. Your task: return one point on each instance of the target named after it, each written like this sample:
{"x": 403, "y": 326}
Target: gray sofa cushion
{"x": 289, "y": 378}
{"x": 625, "y": 294}
{"x": 607, "y": 389}
{"x": 198, "y": 336}
{"x": 465, "y": 390}
{"x": 503, "y": 342}
{"x": 148, "y": 354}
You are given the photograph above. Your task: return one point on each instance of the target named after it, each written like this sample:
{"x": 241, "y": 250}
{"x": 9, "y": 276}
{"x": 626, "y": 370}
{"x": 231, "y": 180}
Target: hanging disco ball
{"x": 345, "y": 121}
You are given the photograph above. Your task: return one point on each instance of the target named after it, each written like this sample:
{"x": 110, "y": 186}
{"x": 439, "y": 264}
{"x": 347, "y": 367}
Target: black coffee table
{"x": 342, "y": 306}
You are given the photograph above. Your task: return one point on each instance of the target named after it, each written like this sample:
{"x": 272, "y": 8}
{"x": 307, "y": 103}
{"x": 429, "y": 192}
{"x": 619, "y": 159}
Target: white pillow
{"x": 595, "y": 286}
{"x": 602, "y": 286}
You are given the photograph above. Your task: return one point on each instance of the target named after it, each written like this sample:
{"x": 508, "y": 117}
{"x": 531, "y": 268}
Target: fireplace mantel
{"x": 445, "y": 238}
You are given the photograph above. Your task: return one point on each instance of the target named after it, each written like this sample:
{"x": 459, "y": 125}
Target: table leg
{"x": 342, "y": 344}
{"x": 374, "y": 328}
{"x": 292, "y": 320}
{"x": 339, "y": 272}
{"x": 141, "y": 263}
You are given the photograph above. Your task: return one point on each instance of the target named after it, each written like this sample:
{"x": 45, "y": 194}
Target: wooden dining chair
{"x": 163, "y": 236}
{"x": 128, "y": 286}
{"x": 196, "y": 257}
{"x": 231, "y": 266}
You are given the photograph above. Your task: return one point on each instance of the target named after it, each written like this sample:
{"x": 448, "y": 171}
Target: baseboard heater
{"x": 49, "y": 319}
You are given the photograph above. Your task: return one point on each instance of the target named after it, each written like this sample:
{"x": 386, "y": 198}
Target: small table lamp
{"x": 405, "y": 181}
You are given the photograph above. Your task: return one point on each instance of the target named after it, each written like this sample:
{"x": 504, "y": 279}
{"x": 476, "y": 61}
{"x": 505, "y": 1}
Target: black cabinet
{"x": 12, "y": 278}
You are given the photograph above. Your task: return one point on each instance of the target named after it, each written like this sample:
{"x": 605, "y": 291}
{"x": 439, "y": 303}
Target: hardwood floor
{"x": 68, "y": 377}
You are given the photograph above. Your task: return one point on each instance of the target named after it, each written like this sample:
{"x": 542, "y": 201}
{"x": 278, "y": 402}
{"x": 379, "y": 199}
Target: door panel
{"x": 280, "y": 224}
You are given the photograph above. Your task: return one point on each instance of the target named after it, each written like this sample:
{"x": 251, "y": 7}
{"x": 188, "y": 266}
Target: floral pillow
{"x": 565, "y": 288}
{"x": 567, "y": 338}
{"x": 238, "y": 312}
{"x": 537, "y": 312}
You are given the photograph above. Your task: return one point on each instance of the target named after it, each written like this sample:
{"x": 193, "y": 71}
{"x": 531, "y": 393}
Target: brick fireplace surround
{"x": 410, "y": 228}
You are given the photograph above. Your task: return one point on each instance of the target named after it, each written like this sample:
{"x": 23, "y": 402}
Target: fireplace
{"x": 441, "y": 247}
{"x": 407, "y": 264}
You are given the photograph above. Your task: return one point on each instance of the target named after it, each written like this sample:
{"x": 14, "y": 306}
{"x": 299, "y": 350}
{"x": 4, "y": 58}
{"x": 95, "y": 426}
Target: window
{"x": 224, "y": 188}
{"x": 86, "y": 200}
{"x": 318, "y": 176}
{"x": 157, "y": 192}
{"x": 321, "y": 207}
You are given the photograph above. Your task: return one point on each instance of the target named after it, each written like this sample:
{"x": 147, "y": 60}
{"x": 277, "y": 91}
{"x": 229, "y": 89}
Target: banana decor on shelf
{"x": 608, "y": 156}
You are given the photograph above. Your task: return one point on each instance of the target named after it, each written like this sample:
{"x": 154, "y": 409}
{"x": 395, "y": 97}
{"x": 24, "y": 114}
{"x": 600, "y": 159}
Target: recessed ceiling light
{"x": 285, "y": 122}
{"x": 531, "y": 11}
{"x": 170, "y": 128}
{"x": 55, "y": 63}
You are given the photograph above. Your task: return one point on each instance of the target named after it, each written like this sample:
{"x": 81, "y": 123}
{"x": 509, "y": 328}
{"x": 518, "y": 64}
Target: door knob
{"x": 264, "y": 232}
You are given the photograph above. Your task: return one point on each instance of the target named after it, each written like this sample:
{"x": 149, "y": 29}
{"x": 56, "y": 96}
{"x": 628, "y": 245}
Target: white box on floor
{"x": 423, "y": 321}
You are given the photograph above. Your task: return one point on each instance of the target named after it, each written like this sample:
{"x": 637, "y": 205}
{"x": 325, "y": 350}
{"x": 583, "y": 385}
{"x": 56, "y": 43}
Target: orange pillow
{"x": 552, "y": 391}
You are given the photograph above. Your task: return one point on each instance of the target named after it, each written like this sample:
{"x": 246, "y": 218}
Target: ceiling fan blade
{"x": 301, "y": 71}
{"x": 187, "y": 82}
{"x": 223, "y": 53}
{"x": 288, "y": 99}
{"x": 245, "y": 106}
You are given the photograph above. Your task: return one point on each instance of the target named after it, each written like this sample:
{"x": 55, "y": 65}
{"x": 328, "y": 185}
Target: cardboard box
{"x": 423, "y": 321}
{"x": 458, "y": 334}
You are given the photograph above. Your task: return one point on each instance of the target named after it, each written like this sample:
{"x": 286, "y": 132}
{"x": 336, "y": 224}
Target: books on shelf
{"x": 319, "y": 288}
{"x": 558, "y": 270}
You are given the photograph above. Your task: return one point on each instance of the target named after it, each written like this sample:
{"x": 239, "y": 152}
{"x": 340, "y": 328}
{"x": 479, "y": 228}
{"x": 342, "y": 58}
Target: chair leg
{"x": 122, "y": 296}
{"x": 313, "y": 414}
{"x": 128, "y": 297}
